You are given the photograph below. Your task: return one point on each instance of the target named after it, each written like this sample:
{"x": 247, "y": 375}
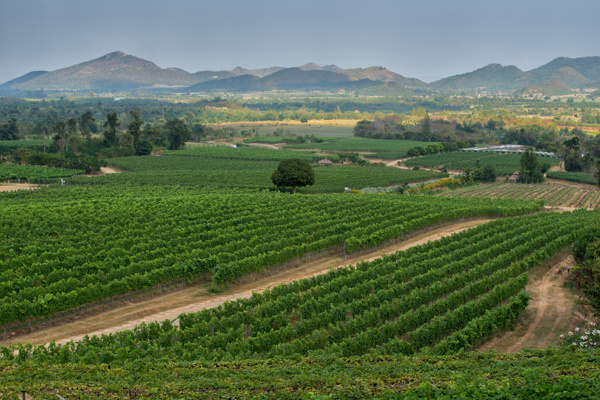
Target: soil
{"x": 550, "y": 313}
{"x": 196, "y": 298}
{"x": 9, "y": 187}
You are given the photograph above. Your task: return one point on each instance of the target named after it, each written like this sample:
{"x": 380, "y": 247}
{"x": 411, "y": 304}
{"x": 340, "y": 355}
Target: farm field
{"x": 553, "y": 193}
{"x": 346, "y": 312}
{"x": 532, "y": 374}
{"x": 209, "y": 215}
{"x": 126, "y": 239}
{"x": 503, "y": 164}
{"x": 35, "y": 173}
{"x": 580, "y": 177}
{"x": 319, "y": 128}
{"x": 191, "y": 169}
{"x": 387, "y": 149}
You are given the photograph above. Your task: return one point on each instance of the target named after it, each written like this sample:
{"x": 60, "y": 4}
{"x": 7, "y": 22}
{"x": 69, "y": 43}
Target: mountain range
{"x": 119, "y": 71}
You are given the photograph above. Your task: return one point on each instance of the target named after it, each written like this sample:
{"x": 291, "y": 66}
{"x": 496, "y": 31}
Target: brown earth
{"x": 196, "y": 298}
{"x": 550, "y": 313}
{"x": 9, "y": 187}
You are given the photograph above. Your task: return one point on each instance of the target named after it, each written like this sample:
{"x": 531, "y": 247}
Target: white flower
{"x": 577, "y": 329}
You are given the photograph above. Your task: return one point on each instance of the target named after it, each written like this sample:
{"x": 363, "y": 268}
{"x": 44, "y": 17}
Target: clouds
{"x": 428, "y": 39}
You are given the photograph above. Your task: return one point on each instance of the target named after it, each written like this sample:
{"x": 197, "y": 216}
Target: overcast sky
{"x": 425, "y": 39}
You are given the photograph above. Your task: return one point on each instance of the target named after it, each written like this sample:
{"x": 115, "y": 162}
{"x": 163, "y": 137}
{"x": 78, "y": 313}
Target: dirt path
{"x": 196, "y": 298}
{"x": 265, "y": 145}
{"x": 9, "y": 187}
{"x": 550, "y": 313}
{"x": 109, "y": 170}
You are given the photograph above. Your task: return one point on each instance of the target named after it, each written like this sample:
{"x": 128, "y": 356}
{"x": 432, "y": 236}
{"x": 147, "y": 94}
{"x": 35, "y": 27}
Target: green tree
{"x": 530, "y": 171}
{"x": 110, "y": 135}
{"x": 293, "y": 172}
{"x": 135, "y": 127}
{"x": 72, "y": 132}
{"x": 177, "y": 132}
{"x": 10, "y": 131}
{"x": 426, "y": 126}
{"x": 198, "y": 131}
{"x": 60, "y": 128}
{"x": 86, "y": 122}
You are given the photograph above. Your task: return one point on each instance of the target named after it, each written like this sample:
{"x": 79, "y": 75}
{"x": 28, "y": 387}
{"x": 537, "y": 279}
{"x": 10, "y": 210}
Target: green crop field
{"x": 504, "y": 164}
{"x": 126, "y": 239}
{"x": 195, "y": 168}
{"x": 319, "y": 130}
{"x": 34, "y": 173}
{"x": 555, "y": 194}
{"x": 429, "y": 301}
{"x": 242, "y": 153}
{"x": 399, "y": 147}
{"x": 208, "y": 218}
{"x": 580, "y": 177}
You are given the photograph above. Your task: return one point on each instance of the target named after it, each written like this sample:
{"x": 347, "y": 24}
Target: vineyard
{"x": 553, "y": 194}
{"x": 579, "y": 177}
{"x": 126, "y": 239}
{"x": 190, "y": 170}
{"x": 242, "y": 153}
{"x": 529, "y": 375}
{"x": 398, "y": 148}
{"x": 503, "y": 164}
{"x": 436, "y": 299}
{"x": 402, "y": 325}
{"x": 34, "y": 173}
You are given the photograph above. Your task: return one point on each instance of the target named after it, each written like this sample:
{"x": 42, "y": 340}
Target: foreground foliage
{"x": 446, "y": 295}
{"x": 179, "y": 168}
{"x": 548, "y": 374}
{"x": 63, "y": 248}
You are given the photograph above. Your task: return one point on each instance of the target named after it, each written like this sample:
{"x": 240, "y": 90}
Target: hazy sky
{"x": 426, "y": 39}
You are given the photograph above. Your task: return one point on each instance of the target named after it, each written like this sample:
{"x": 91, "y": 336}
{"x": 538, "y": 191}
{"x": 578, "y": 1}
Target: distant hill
{"x": 114, "y": 70}
{"x": 493, "y": 77}
{"x": 285, "y": 79}
{"x": 22, "y": 79}
{"x": 554, "y": 88}
{"x": 588, "y": 67}
{"x": 572, "y": 72}
{"x": 384, "y": 75}
{"x": 119, "y": 71}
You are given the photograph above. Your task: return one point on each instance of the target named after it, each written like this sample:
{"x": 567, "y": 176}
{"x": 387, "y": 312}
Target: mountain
{"x": 119, "y": 71}
{"x": 493, "y": 77}
{"x": 284, "y": 79}
{"x": 589, "y": 67}
{"x": 554, "y": 88}
{"x": 384, "y": 75}
{"x": 572, "y": 72}
{"x": 114, "y": 70}
{"x": 22, "y": 79}
{"x": 315, "y": 67}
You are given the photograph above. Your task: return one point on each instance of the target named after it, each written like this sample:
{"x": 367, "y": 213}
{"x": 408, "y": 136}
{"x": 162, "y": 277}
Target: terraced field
{"x": 553, "y": 193}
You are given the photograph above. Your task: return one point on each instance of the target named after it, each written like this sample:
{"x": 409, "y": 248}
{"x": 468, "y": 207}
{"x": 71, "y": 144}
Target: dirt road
{"x": 196, "y": 298}
{"x": 550, "y": 313}
{"x": 9, "y": 187}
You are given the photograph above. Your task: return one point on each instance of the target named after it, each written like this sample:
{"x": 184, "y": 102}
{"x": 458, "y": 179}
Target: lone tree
{"x": 531, "y": 170}
{"x": 177, "y": 132}
{"x": 293, "y": 172}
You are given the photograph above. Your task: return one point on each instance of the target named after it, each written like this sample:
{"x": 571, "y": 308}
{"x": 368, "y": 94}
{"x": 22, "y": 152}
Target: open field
{"x": 197, "y": 296}
{"x": 319, "y": 128}
{"x": 225, "y": 168}
{"x": 189, "y": 274}
{"x": 388, "y": 149}
{"x": 503, "y": 164}
{"x": 554, "y": 193}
